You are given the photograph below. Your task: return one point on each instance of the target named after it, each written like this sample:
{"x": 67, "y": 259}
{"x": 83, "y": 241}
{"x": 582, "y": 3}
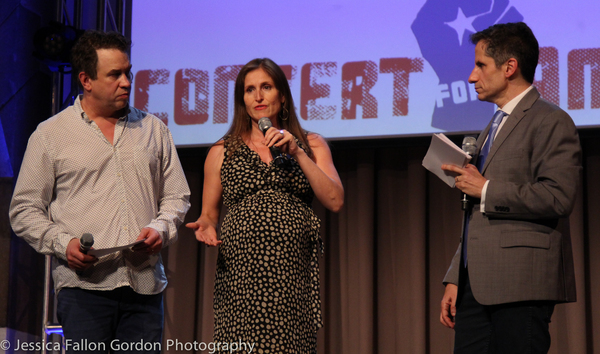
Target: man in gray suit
{"x": 514, "y": 262}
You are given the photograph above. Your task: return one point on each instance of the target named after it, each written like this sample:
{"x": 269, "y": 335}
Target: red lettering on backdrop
{"x": 143, "y": 80}
{"x": 183, "y": 115}
{"x": 223, "y": 75}
{"x": 577, "y": 60}
{"x": 290, "y": 72}
{"x": 355, "y": 91}
{"x": 549, "y": 84}
{"x": 311, "y": 91}
{"x": 400, "y": 68}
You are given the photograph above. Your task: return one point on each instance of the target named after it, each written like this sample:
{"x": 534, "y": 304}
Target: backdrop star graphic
{"x": 462, "y": 24}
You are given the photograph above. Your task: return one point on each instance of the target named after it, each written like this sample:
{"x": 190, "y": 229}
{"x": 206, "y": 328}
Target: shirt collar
{"x": 79, "y": 110}
{"x": 510, "y": 106}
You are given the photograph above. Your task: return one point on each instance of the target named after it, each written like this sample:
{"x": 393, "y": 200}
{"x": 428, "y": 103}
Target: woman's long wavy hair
{"x": 242, "y": 123}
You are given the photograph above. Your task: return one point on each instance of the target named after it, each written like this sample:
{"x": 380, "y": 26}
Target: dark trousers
{"x": 116, "y": 321}
{"x": 514, "y": 328}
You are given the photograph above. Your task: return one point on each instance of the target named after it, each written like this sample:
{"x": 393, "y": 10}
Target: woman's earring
{"x": 285, "y": 113}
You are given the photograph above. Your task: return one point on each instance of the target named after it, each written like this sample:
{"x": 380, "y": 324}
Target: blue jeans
{"x": 514, "y": 328}
{"x": 119, "y": 321}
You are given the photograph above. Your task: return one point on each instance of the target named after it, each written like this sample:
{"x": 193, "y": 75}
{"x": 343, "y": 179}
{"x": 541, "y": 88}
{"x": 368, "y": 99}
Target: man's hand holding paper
{"x": 468, "y": 179}
{"x": 443, "y": 151}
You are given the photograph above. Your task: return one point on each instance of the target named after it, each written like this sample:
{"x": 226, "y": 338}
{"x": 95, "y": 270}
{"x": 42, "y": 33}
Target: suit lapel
{"x": 511, "y": 123}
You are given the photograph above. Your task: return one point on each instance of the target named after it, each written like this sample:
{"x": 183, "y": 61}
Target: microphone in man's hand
{"x": 85, "y": 244}
{"x": 264, "y": 124}
{"x": 469, "y": 145}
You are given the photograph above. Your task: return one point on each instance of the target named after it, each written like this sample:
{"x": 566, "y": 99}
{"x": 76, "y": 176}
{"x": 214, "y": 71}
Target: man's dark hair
{"x": 84, "y": 57}
{"x": 511, "y": 40}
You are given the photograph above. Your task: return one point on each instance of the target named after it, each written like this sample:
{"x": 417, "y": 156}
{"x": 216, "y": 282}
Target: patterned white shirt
{"x": 73, "y": 181}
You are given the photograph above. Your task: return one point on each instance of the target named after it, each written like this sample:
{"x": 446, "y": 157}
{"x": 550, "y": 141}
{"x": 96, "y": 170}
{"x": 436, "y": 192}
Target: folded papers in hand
{"x": 104, "y": 251}
{"x": 443, "y": 151}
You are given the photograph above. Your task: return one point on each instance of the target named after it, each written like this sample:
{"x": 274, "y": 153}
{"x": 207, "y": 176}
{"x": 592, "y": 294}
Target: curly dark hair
{"x": 511, "y": 40}
{"x": 84, "y": 57}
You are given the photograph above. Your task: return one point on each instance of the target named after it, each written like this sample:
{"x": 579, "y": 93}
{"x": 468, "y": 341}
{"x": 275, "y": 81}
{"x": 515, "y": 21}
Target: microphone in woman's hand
{"x": 264, "y": 124}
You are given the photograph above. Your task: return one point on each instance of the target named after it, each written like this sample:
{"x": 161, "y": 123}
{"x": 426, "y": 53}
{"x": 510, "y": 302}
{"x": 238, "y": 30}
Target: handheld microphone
{"x": 264, "y": 124}
{"x": 469, "y": 145}
{"x": 85, "y": 243}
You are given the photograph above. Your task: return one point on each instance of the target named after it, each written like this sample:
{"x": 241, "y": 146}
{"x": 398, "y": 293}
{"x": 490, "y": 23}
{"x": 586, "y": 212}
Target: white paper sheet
{"x": 443, "y": 151}
{"x": 104, "y": 251}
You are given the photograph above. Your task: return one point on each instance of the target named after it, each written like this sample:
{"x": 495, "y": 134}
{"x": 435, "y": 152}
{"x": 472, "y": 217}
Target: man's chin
{"x": 122, "y": 104}
{"x": 121, "y": 107}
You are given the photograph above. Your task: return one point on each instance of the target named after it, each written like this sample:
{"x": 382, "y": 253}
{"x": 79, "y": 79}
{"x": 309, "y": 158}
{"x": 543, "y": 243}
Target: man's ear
{"x": 85, "y": 81}
{"x": 511, "y": 67}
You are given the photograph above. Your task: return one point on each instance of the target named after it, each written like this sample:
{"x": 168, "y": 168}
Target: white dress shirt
{"x": 74, "y": 181}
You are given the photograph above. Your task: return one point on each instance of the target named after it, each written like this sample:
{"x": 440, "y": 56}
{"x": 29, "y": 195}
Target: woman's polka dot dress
{"x": 267, "y": 286}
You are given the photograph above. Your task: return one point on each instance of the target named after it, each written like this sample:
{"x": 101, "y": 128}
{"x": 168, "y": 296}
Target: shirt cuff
{"x": 60, "y": 245}
{"x": 162, "y": 229}
{"x": 483, "y": 193}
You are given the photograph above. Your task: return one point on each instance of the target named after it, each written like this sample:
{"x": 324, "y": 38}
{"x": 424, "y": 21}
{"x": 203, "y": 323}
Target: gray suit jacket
{"x": 520, "y": 249}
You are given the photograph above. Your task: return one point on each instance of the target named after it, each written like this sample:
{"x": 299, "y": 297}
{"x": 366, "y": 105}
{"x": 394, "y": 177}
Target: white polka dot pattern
{"x": 267, "y": 287}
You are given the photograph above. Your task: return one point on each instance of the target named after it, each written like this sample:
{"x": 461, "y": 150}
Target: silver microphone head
{"x": 264, "y": 124}
{"x": 87, "y": 240}
{"x": 469, "y": 145}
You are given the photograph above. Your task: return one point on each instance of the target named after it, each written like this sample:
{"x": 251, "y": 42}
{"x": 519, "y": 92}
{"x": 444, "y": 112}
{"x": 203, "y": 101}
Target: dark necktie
{"x": 496, "y": 120}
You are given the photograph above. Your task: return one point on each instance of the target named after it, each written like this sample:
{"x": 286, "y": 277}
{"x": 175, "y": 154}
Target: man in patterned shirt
{"x": 103, "y": 167}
